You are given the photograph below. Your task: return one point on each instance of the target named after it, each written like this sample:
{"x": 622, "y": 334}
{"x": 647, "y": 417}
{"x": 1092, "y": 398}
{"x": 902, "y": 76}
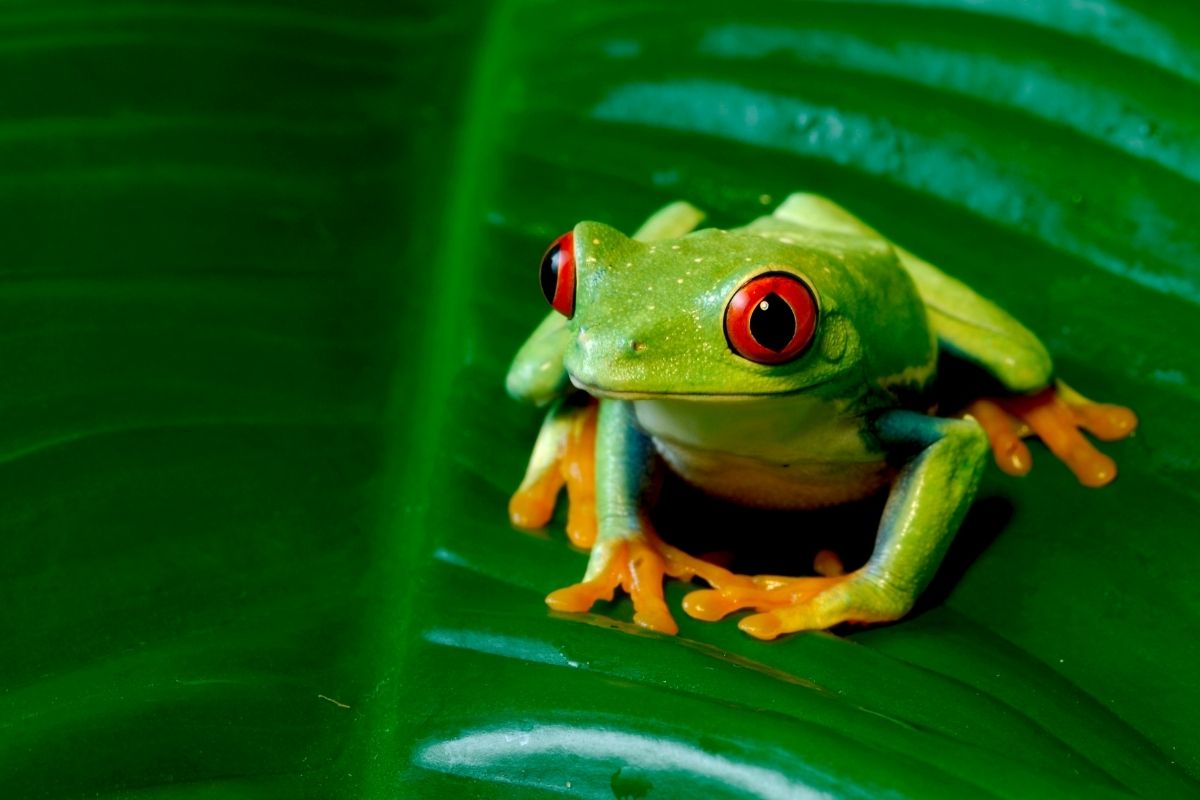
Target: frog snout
{"x": 609, "y": 350}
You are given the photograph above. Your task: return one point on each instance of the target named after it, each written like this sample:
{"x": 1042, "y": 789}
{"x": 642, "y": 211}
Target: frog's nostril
{"x": 637, "y": 346}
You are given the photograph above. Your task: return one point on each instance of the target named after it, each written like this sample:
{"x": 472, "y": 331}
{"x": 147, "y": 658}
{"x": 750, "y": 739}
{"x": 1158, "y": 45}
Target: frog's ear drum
{"x": 771, "y": 319}
{"x": 558, "y": 275}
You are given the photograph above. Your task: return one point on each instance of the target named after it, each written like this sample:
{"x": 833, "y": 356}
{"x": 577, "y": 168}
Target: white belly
{"x": 785, "y": 452}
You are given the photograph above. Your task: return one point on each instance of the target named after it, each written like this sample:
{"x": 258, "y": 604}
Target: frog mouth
{"x": 620, "y": 394}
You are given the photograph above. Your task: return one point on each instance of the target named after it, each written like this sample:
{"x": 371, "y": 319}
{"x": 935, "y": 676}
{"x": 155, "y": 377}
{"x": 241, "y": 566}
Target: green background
{"x": 263, "y": 268}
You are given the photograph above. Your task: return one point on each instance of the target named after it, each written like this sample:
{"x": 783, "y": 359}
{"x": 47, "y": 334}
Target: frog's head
{"x": 713, "y": 314}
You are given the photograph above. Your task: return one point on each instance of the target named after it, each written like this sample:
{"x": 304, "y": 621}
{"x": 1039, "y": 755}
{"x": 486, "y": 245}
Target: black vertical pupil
{"x": 772, "y": 323}
{"x": 550, "y": 265}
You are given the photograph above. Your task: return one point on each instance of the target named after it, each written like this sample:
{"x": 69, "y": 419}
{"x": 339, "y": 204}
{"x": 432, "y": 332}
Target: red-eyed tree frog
{"x": 787, "y": 364}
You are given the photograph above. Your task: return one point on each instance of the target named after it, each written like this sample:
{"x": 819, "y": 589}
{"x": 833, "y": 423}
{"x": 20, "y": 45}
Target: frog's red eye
{"x": 771, "y": 319}
{"x": 558, "y": 275}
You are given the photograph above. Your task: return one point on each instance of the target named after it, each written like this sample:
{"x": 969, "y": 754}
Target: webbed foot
{"x": 1056, "y": 415}
{"x": 571, "y": 463}
{"x": 786, "y": 605}
{"x": 633, "y": 564}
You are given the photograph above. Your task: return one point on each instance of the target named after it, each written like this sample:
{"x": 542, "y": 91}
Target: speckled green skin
{"x": 847, "y": 416}
{"x": 668, "y": 298}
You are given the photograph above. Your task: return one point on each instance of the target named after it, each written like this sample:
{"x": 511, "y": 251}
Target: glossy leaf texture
{"x": 266, "y": 266}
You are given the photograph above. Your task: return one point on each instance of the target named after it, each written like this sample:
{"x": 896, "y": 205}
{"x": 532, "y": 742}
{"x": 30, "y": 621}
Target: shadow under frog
{"x": 771, "y": 541}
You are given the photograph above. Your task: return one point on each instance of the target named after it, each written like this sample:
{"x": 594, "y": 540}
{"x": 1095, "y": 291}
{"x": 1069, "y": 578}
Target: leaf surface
{"x": 266, "y": 266}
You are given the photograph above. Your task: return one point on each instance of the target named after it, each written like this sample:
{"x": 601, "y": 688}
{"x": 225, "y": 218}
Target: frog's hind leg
{"x": 976, "y": 330}
{"x": 967, "y": 325}
{"x": 564, "y": 455}
{"x": 670, "y": 222}
{"x": 1056, "y": 415}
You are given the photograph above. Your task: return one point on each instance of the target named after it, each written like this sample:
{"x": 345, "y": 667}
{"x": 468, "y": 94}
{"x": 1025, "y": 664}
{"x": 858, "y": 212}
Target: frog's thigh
{"x": 670, "y": 222}
{"x": 967, "y": 325}
{"x": 821, "y": 213}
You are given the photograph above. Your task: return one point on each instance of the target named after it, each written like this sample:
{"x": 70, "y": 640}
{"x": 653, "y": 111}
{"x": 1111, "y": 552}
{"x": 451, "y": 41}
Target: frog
{"x": 791, "y": 363}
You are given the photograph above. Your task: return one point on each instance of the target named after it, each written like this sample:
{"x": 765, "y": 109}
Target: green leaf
{"x": 265, "y": 268}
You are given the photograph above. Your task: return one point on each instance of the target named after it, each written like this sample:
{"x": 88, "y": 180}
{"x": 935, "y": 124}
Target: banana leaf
{"x": 265, "y": 266}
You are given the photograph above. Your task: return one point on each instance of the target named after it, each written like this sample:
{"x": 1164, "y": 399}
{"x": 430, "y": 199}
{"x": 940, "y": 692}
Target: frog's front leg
{"x": 930, "y": 496}
{"x": 625, "y": 554}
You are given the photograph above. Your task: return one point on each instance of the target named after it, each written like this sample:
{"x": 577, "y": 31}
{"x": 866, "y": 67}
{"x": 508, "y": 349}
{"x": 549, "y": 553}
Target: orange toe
{"x": 1010, "y": 453}
{"x": 765, "y": 593}
{"x": 827, "y": 564}
{"x": 1105, "y": 421}
{"x": 644, "y": 581}
{"x": 637, "y": 568}
{"x": 532, "y": 506}
{"x": 581, "y": 524}
{"x": 762, "y": 626}
{"x": 1056, "y": 415}
{"x": 578, "y": 469}
{"x": 1055, "y": 424}
{"x": 1091, "y": 467}
{"x": 707, "y": 605}
{"x": 580, "y": 597}
{"x": 679, "y": 564}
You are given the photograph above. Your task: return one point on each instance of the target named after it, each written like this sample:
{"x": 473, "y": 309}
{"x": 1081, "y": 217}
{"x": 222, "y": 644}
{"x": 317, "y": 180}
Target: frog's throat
{"x": 614, "y": 394}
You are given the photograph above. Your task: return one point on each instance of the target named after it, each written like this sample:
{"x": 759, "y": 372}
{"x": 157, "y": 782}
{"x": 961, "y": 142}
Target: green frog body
{"x": 787, "y": 364}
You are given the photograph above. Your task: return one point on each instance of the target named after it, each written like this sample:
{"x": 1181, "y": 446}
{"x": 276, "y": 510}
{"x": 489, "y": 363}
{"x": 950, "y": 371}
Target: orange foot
{"x": 785, "y": 604}
{"x": 532, "y": 505}
{"x": 637, "y": 567}
{"x": 1055, "y": 415}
